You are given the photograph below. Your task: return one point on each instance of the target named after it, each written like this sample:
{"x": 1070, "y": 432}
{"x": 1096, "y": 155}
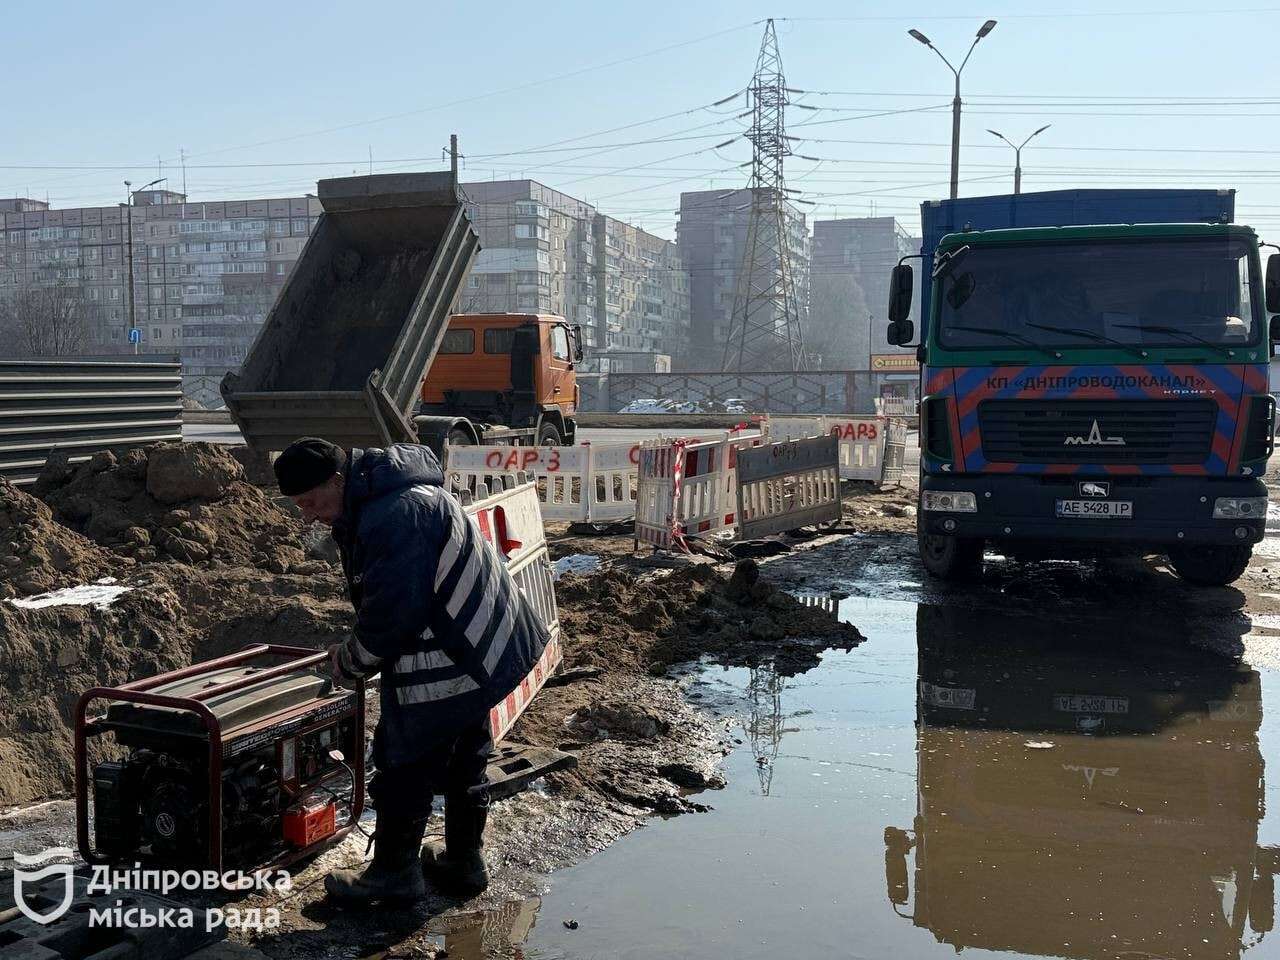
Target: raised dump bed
{"x": 345, "y": 347}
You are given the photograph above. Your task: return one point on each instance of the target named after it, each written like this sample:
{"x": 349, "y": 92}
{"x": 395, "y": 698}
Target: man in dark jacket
{"x": 440, "y": 617}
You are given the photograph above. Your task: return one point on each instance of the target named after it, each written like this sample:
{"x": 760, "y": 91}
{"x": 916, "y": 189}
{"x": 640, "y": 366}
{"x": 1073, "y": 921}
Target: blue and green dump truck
{"x": 1094, "y": 379}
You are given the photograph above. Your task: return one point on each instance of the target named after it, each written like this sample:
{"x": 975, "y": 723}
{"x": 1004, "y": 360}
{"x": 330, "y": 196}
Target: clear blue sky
{"x": 308, "y": 90}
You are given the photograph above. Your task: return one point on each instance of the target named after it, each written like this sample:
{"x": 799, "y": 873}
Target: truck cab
{"x": 506, "y": 368}
{"x": 1094, "y": 390}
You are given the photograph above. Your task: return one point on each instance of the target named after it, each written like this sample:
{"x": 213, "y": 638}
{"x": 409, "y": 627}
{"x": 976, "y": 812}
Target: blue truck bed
{"x": 1064, "y": 208}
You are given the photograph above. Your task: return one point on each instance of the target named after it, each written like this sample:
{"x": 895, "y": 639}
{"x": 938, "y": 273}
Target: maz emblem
{"x": 1095, "y": 439}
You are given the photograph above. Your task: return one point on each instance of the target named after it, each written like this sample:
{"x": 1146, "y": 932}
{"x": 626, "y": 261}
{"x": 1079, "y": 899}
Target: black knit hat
{"x": 307, "y": 463}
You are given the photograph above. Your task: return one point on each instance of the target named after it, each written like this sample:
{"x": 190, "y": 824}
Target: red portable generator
{"x": 247, "y": 761}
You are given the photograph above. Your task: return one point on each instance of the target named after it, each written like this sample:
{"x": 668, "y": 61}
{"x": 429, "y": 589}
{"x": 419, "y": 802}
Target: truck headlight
{"x": 949, "y": 501}
{"x": 1240, "y": 508}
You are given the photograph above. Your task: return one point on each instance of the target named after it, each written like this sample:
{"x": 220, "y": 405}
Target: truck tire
{"x": 549, "y": 435}
{"x": 1210, "y": 566}
{"x": 957, "y": 559}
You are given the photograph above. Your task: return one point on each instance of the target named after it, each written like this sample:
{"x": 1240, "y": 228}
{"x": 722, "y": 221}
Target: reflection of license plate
{"x": 1112, "y": 509}
{"x": 1086, "y": 703}
{"x": 954, "y": 698}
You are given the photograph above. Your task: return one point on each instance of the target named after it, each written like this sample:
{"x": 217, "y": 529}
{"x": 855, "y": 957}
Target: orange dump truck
{"x": 512, "y": 369}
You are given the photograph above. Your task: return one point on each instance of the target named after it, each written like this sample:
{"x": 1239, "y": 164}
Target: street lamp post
{"x": 955, "y": 103}
{"x": 1017, "y": 154}
{"x": 128, "y": 205}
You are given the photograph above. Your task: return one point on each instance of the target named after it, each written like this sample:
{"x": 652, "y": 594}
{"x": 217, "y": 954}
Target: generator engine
{"x": 225, "y": 765}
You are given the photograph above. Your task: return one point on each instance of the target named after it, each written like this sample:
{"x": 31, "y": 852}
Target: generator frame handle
{"x": 138, "y": 691}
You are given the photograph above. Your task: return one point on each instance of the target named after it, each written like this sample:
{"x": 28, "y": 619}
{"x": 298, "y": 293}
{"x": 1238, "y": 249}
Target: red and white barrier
{"x": 510, "y": 519}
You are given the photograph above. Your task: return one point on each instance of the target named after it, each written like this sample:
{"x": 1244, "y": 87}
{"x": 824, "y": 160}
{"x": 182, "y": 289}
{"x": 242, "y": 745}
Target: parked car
{"x": 647, "y": 405}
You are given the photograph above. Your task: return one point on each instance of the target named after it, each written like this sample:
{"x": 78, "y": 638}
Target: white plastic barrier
{"x": 895, "y": 452}
{"x": 589, "y": 483}
{"x": 661, "y": 467}
{"x": 510, "y": 520}
{"x": 861, "y": 439}
{"x": 861, "y": 442}
{"x": 787, "y": 485}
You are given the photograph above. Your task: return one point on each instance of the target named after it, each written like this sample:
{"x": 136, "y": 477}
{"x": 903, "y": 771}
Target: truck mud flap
{"x": 70, "y": 936}
{"x": 516, "y": 766}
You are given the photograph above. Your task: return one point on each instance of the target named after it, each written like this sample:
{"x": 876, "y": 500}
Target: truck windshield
{"x": 1103, "y": 294}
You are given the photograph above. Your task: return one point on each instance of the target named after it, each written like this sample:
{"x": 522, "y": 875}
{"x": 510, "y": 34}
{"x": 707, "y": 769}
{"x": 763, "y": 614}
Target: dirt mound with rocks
{"x": 39, "y": 554}
{"x": 650, "y": 624}
{"x": 187, "y": 502}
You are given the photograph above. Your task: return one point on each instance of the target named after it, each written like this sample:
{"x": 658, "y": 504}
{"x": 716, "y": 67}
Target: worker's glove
{"x": 349, "y": 662}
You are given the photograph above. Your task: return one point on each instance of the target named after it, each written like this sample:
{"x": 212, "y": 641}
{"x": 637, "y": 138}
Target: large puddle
{"x": 964, "y": 780}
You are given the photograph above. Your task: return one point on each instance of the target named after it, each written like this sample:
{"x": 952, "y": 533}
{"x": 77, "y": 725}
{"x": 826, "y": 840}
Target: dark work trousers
{"x": 452, "y": 769}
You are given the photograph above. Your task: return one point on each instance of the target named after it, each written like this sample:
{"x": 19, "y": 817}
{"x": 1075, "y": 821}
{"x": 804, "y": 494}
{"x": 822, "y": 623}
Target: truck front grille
{"x": 1097, "y": 431}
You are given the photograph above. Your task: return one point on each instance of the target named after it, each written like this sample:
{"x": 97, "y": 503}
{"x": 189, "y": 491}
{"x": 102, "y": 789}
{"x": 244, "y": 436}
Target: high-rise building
{"x": 712, "y": 234}
{"x": 849, "y": 289}
{"x": 544, "y": 251}
{"x": 204, "y": 274}
{"x": 537, "y": 253}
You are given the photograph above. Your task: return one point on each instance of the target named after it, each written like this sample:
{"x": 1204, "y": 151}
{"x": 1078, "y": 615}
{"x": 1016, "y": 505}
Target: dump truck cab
{"x": 512, "y": 369}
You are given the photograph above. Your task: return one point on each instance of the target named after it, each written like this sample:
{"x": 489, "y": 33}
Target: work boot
{"x": 457, "y": 865}
{"x": 393, "y": 875}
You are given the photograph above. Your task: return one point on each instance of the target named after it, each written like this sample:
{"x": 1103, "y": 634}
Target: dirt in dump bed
{"x": 355, "y": 307}
{"x": 185, "y": 502}
{"x": 640, "y": 745}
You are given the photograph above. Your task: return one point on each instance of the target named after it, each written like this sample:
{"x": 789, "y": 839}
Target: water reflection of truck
{"x": 1134, "y": 834}
{"x": 1115, "y": 338}
{"x": 345, "y": 352}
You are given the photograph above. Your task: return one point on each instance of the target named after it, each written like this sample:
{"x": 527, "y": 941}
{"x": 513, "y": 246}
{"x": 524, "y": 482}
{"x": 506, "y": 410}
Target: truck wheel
{"x": 549, "y": 435}
{"x": 1210, "y": 566}
{"x": 958, "y": 559}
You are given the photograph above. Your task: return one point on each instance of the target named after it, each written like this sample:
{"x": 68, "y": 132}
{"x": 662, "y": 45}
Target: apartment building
{"x": 852, "y": 261}
{"x": 542, "y": 250}
{"x": 712, "y": 235}
{"x": 204, "y": 274}
{"x": 642, "y": 303}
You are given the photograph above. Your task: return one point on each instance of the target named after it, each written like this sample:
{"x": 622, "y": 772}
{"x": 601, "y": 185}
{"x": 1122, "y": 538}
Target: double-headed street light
{"x": 955, "y": 103}
{"x": 1017, "y": 153}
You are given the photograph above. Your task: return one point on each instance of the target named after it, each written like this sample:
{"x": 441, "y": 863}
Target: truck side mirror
{"x": 900, "y": 287}
{"x": 900, "y": 332}
{"x": 577, "y": 342}
{"x": 1273, "y": 286}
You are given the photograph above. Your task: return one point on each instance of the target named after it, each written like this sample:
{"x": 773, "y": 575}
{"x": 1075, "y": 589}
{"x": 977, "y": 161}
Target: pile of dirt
{"x": 649, "y": 624}
{"x": 187, "y": 502}
{"x": 38, "y": 554}
{"x": 640, "y": 745}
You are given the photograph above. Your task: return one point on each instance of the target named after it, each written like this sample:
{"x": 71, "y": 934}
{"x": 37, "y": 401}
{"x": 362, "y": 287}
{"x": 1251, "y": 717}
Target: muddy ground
{"x": 209, "y": 563}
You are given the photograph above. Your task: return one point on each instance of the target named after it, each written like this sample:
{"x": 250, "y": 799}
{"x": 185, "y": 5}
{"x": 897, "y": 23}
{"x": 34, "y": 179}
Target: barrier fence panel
{"x": 613, "y": 483}
{"x": 862, "y": 441}
{"x": 561, "y": 474}
{"x": 509, "y": 518}
{"x": 895, "y": 452}
{"x": 782, "y": 486}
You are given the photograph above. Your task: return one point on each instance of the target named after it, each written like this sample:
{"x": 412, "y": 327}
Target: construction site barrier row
{"x": 509, "y": 518}
{"x": 589, "y": 483}
{"x": 695, "y": 488}
{"x": 872, "y": 448}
